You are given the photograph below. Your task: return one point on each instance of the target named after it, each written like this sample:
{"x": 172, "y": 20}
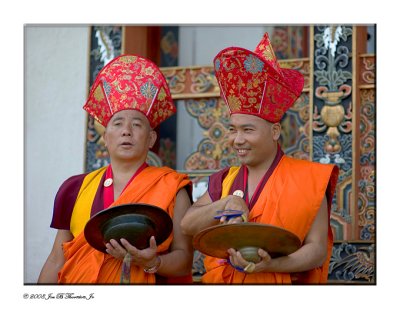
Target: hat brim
{"x": 133, "y": 222}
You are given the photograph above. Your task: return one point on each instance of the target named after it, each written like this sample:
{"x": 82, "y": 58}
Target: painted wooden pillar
{"x": 343, "y": 123}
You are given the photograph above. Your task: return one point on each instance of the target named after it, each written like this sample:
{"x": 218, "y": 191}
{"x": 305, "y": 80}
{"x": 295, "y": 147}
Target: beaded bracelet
{"x": 153, "y": 269}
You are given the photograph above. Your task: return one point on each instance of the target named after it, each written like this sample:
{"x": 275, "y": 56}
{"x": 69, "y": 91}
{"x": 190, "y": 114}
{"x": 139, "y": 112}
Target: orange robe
{"x": 290, "y": 199}
{"x": 84, "y": 264}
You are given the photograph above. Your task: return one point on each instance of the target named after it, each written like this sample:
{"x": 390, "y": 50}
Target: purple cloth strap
{"x": 259, "y": 189}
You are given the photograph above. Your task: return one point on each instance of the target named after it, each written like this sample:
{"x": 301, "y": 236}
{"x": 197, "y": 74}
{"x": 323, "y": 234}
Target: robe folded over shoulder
{"x": 154, "y": 185}
{"x": 290, "y": 199}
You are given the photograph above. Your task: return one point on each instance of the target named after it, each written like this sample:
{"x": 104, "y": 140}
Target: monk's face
{"x": 128, "y": 136}
{"x": 254, "y": 139}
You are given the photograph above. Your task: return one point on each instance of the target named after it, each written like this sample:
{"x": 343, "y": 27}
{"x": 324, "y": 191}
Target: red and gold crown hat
{"x": 253, "y": 82}
{"x": 130, "y": 82}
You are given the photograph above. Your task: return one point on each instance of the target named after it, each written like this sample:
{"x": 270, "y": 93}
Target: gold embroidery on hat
{"x": 162, "y": 94}
{"x": 98, "y": 93}
{"x": 234, "y": 102}
{"x": 268, "y": 53}
{"x": 149, "y": 71}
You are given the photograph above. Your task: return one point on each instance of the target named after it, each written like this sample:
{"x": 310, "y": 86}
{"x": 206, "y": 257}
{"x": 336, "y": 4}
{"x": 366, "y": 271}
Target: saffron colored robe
{"x": 84, "y": 264}
{"x": 290, "y": 199}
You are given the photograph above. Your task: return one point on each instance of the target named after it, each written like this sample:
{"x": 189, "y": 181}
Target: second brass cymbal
{"x": 246, "y": 237}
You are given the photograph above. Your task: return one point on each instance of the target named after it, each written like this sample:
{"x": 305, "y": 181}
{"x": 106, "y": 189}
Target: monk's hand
{"x": 236, "y": 260}
{"x": 235, "y": 203}
{"x": 239, "y": 263}
{"x": 115, "y": 249}
{"x": 144, "y": 258}
{"x": 265, "y": 258}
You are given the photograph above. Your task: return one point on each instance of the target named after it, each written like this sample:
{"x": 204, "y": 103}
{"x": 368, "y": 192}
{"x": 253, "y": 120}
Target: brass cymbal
{"x": 246, "y": 237}
{"x": 134, "y": 222}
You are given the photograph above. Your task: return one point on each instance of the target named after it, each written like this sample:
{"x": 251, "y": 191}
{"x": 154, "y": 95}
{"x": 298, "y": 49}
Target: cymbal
{"x": 246, "y": 237}
{"x": 134, "y": 222}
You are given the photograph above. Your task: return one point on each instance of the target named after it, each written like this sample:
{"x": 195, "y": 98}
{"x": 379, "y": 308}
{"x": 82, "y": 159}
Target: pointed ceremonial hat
{"x": 253, "y": 82}
{"x": 130, "y": 82}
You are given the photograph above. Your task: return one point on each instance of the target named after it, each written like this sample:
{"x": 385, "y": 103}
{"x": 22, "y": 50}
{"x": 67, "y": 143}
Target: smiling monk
{"x": 268, "y": 187}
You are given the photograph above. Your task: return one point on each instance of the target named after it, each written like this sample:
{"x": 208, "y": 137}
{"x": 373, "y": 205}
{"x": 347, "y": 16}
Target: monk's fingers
{"x": 235, "y": 220}
{"x": 231, "y": 252}
{"x": 129, "y": 248}
{"x": 152, "y": 243}
{"x": 233, "y": 257}
{"x": 141, "y": 257}
{"x": 242, "y": 261}
{"x": 236, "y": 203}
{"x": 117, "y": 246}
{"x": 233, "y": 261}
{"x": 115, "y": 249}
{"x": 264, "y": 255}
{"x": 109, "y": 248}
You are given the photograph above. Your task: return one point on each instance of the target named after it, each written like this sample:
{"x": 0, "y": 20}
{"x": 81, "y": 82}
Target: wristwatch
{"x": 153, "y": 269}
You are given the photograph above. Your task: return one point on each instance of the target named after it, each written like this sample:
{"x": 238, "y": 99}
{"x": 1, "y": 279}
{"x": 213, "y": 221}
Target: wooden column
{"x": 143, "y": 41}
{"x": 359, "y": 47}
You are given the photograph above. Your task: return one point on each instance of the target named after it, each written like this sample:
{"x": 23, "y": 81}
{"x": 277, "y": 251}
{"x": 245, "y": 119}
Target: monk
{"x": 130, "y": 97}
{"x": 269, "y": 187}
